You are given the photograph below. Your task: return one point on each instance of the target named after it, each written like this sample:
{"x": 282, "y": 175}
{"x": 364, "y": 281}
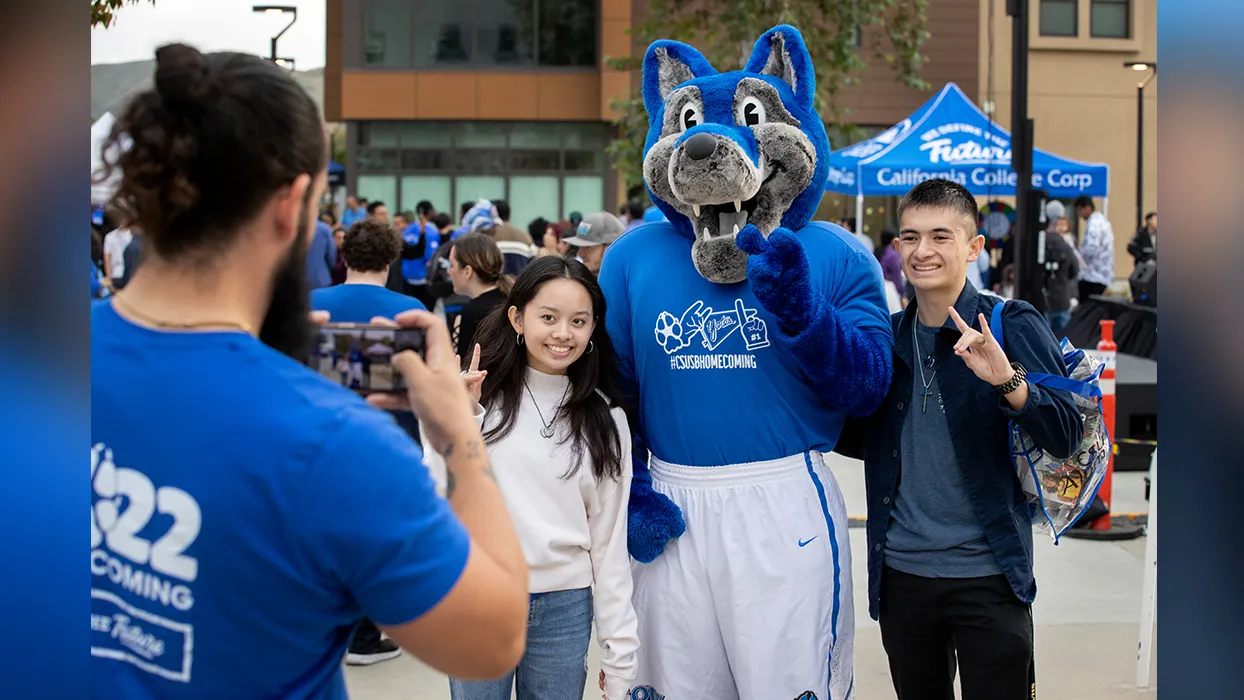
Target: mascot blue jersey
{"x": 714, "y": 384}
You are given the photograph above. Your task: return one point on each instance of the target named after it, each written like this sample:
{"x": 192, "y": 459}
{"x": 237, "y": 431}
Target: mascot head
{"x": 730, "y": 149}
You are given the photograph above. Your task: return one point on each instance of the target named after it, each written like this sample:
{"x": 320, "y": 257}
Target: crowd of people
{"x": 301, "y": 529}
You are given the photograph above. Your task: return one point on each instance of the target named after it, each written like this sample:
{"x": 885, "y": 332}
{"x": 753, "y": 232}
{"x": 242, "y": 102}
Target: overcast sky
{"x": 211, "y": 25}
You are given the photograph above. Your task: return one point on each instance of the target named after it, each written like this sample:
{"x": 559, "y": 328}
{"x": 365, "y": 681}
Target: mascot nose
{"x": 700, "y": 146}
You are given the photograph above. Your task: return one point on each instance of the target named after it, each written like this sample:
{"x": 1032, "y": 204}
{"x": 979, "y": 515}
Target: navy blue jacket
{"x": 977, "y": 416}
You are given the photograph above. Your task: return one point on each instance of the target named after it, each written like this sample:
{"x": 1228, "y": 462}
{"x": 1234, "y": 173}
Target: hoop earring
{"x": 590, "y": 347}
{"x": 518, "y": 340}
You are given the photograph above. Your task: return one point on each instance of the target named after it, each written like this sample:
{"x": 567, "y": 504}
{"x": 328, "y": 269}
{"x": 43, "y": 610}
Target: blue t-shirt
{"x": 360, "y": 303}
{"x": 416, "y": 271}
{"x": 246, "y": 513}
{"x": 353, "y": 215}
{"x": 715, "y": 386}
{"x": 934, "y": 532}
{"x": 321, "y": 256}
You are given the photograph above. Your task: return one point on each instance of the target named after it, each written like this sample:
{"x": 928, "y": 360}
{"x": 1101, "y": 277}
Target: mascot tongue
{"x": 731, "y": 222}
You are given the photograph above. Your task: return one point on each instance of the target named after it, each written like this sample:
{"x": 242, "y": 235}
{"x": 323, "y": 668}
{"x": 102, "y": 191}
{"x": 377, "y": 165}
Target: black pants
{"x": 926, "y": 623}
{"x": 1088, "y": 289}
{"x": 420, "y": 292}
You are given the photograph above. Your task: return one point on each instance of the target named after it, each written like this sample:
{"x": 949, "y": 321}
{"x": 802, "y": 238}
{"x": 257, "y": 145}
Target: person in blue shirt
{"x": 419, "y": 243}
{"x": 247, "y": 512}
{"x": 321, "y": 256}
{"x": 949, "y": 528}
{"x": 354, "y": 211}
{"x": 369, "y": 247}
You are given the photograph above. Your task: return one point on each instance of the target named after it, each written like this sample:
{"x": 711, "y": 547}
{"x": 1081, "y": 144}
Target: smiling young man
{"x": 949, "y": 529}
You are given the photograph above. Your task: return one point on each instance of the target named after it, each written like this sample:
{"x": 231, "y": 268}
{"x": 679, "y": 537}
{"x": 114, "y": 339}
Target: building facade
{"x": 453, "y": 100}
{"x": 1081, "y": 97}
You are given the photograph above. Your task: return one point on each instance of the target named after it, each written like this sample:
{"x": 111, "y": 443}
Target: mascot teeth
{"x": 738, "y": 205}
{"x": 696, "y": 208}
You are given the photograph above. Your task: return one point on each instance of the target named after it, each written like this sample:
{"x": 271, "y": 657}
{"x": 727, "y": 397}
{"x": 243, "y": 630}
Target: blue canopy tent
{"x": 336, "y": 174}
{"x": 949, "y": 137}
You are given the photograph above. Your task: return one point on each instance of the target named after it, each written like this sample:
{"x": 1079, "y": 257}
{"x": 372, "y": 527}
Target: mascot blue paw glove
{"x": 652, "y": 519}
{"x": 778, "y": 270}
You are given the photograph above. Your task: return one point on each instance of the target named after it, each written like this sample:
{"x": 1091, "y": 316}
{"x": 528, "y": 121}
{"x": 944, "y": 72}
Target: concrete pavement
{"x": 1087, "y": 618}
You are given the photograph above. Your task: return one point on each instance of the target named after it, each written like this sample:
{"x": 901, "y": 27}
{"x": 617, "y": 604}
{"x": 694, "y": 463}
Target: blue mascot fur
{"x": 737, "y": 163}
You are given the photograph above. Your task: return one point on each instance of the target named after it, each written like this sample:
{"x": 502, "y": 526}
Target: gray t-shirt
{"x": 933, "y": 530}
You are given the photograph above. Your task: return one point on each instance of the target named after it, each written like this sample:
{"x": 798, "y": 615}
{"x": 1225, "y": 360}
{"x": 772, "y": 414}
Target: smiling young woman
{"x": 556, "y": 430}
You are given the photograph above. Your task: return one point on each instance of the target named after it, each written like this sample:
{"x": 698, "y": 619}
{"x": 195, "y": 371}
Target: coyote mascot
{"x": 746, "y": 335}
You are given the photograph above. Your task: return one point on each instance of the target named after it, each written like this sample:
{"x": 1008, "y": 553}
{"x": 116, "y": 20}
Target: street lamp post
{"x": 1150, "y": 70}
{"x": 278, "y": 10}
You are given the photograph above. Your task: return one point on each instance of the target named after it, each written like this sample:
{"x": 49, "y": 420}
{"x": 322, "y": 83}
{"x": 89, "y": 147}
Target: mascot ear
{"x": 781, "y": 53}
{"x": 667, "y": 65}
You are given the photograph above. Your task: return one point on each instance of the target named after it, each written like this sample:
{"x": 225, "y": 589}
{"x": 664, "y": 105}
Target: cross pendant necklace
{"x": 924, "y": 408}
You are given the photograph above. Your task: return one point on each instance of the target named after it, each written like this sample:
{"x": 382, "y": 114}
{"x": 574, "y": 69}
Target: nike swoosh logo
{"x": 804, "y": 543}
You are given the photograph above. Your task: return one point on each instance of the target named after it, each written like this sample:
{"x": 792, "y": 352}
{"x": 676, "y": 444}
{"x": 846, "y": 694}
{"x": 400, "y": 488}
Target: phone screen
{"x": 360, "y": 357}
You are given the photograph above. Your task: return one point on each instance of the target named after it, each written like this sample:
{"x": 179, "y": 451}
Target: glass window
{"x": 578, "y": 161}
{"x": 535, "y": 135}
{"x": 479, "y": 161}
{"x": 425, "y": 160}
{"x": 504, "y": 31}
{"x": 582, "y": 193}
{"x": 378, "y": 134}
{"x": 442, "y": 33}
{"x": 481, "y": 135}
{"x": 426, "y": 135}
{"x": 434, "y": 188}
{"x": 387, "y": 33}
{"x": 584, "y": 136}
{"x": 567, "y": 33}
{"x": 532, "y": 196}
{"x": 528, "y": 160}
{"x": 378, "y": 159}
{"x": 1109, "y": 19}
{"x": 473, "y": 187}
{"x": 379, "y": 188}
{"x": 1058, "y": 17}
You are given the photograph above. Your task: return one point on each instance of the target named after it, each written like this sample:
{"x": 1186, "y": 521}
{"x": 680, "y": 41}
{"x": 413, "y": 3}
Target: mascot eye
{"x": 690, "y": 116}
{"x": 751, "y": 112}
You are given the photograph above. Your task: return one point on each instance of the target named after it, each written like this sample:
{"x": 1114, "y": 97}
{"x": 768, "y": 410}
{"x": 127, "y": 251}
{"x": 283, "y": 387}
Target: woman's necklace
{"x": 547, "y": 431}
{"x": 921, "y": 362}
{"x": 130, "y": 310}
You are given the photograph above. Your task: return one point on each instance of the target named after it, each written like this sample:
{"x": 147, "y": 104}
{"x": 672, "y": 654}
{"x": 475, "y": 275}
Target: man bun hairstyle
{"x": 203, "y": 150}
{"x": 370, "y": 246}
{"x": 940, "y": 193}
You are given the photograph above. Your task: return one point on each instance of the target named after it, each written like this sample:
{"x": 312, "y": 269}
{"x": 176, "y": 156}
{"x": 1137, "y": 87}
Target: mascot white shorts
{"x": 753, "y": 602}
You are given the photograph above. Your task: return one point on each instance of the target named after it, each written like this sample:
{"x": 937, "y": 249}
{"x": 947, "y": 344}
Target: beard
{"x": 287, "y": 326}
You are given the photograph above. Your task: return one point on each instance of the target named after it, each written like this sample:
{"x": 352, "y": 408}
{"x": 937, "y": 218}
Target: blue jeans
{"x": 1058, "y": 320}
{"x": 554, "y": 667}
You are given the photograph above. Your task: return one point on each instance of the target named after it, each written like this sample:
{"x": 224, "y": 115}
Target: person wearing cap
{"x": 593, "y": 237}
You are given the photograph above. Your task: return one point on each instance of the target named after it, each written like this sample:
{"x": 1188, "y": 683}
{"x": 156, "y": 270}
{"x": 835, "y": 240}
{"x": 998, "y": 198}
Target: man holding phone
{"x": 368, "y": 248}
{"x": 243, "y": 508}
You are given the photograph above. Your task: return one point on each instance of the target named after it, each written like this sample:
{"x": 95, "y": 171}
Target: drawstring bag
{"x": 1063, "y": 489}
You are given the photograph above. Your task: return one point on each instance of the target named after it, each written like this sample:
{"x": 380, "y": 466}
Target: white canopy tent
{"x": 101, "y": 192}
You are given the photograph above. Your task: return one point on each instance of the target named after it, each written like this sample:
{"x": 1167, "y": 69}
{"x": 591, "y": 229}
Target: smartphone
{"x": 360, "y": 356}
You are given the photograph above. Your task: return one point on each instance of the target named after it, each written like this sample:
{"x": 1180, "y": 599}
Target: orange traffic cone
{"x": 1104, "y": 528}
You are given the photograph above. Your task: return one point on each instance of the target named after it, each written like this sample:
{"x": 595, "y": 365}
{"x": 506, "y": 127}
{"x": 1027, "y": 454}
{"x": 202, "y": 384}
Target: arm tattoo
{"x": 473, "y": 452}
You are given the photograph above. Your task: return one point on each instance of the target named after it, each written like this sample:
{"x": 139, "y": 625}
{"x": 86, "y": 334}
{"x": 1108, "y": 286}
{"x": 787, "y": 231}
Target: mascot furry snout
{"x": 731, "y": 149}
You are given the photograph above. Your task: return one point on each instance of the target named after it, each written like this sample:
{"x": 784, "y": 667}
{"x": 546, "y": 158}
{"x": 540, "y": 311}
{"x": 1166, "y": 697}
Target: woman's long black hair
{"x": 593, "y": 383}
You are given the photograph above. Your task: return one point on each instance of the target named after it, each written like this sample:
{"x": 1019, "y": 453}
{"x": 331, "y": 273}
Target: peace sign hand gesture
{"x": 981, "y": 353}
{"x": 473, "y": 377}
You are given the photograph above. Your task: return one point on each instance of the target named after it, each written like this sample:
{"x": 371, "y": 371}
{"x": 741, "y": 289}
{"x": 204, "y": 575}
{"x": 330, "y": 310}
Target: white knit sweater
{"x": 573, "y": 531}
